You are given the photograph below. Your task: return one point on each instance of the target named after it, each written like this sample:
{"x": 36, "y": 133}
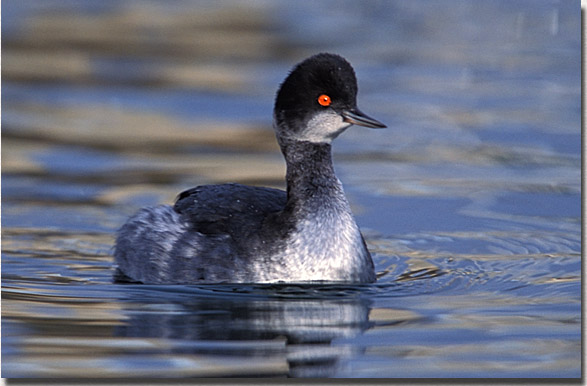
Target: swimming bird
{"x": 243, "y": 234}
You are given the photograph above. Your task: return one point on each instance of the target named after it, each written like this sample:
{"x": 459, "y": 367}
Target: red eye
{"x": 324, "y": 100}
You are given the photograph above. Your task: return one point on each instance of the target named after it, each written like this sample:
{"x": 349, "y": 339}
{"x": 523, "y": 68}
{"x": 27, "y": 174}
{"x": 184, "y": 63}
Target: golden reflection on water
{"x": 60, "y": 46}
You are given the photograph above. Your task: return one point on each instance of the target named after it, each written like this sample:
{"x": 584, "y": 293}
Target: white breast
{"x": 326, "y": 246}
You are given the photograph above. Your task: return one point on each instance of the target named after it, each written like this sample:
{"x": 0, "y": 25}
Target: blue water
{"x": 469, "y": 201}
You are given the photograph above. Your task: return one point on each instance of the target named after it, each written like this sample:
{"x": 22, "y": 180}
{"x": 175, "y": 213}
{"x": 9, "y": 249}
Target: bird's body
{"x": 238, "y": 233}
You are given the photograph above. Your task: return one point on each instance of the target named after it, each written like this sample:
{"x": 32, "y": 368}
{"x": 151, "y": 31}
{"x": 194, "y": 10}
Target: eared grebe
{"x": 236, "y": 233}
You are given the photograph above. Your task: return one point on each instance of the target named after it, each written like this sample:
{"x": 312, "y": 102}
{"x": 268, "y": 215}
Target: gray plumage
{"x": 237, "y": 233}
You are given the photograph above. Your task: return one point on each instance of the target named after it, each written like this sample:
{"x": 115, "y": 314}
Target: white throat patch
{"x": 324, "y": 127}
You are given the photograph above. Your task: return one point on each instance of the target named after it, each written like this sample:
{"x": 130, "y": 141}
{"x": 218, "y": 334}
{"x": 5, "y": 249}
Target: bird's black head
{"x": 318, "y": 101}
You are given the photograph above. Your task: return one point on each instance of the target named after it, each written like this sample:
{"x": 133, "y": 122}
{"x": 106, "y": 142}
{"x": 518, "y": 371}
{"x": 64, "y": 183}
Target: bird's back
{"x": 228, "y": 208}
{"x": 209, "y": 235}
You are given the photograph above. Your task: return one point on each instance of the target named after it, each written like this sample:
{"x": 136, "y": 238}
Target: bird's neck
{"x": 323, "y": 237}
{"x": 310, "y": 173}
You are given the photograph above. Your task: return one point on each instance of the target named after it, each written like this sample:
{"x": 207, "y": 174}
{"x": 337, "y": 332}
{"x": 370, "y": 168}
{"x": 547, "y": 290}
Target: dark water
{"x": 470, "y": 201}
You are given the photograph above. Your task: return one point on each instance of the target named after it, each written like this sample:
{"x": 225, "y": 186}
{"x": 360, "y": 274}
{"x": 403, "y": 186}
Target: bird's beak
{"x": 357, "y": 117}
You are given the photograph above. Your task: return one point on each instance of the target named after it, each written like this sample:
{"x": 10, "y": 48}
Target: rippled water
{"x": 470, "y": 201}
